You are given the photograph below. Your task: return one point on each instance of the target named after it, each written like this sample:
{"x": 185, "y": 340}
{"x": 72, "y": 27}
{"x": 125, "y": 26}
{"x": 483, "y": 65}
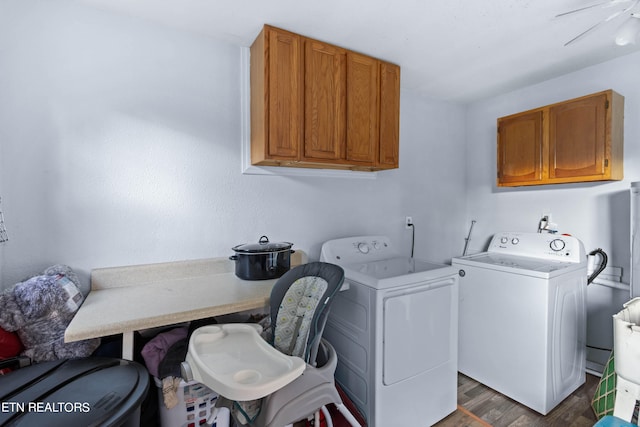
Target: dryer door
{"x": 419, "y": 329}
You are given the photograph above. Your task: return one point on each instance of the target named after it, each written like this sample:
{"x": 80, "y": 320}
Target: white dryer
{"x": 523, "y": 317}
{"x": 394, "y": 326}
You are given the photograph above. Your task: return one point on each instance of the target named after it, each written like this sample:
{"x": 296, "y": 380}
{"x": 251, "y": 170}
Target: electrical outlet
{"x": 408, "y": 222}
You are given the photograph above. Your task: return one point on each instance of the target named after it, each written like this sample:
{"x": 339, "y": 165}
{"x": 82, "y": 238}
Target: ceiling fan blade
{"x": 608, "y": 3}
{"x": 607, "y": 19}
{"x": 583, "y": 8}
{"x": 583, "y": 33}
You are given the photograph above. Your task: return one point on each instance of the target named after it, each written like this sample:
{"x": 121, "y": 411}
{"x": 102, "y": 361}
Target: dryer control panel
{"x": 558, "y": 247}
{"x": 357, "y": 249}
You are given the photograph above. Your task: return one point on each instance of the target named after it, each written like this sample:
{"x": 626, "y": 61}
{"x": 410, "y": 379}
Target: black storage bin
{"x": 76, "y": 392}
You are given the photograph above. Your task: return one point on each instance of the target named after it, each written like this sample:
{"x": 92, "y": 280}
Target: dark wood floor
{"x": 481, "y": 406}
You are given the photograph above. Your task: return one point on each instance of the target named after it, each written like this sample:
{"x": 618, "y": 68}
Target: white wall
{"x": 596, "y": 213}
{"x": 121, "y": 145}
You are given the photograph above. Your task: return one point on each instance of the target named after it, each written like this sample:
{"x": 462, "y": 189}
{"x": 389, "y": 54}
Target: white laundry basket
{"x": 626, "y": 351}
{"x": 195, "y": 403}
{"x": 626, "y": 332}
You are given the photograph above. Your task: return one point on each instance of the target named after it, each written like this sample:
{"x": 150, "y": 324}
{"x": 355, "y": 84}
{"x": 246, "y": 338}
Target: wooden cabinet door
{"x": 389, "y": 116}
{"x": 285, "y": 94}
{"x": 520, "y": 148}
{"x": 362, "y": 108}
{"x": 324, "y": 117}
{"x": 577, "y": 142}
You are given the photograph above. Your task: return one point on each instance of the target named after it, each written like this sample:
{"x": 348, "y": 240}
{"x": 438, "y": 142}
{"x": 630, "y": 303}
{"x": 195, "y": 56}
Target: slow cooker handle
{"x": 263, "y": 240}
{"x": 273, "y": 262}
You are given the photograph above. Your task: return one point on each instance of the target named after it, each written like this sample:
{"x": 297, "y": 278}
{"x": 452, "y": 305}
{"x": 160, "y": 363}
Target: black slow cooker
{"x": 263, "y": 260}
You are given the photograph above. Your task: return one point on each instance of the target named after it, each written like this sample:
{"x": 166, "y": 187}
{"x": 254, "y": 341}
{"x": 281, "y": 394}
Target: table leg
{"x": 127, "y": 345}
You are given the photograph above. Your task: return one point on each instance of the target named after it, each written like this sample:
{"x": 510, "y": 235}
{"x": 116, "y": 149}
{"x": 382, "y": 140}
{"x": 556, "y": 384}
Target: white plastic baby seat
{"x": 234, "y": 361}
{"x": 237, "y": 363}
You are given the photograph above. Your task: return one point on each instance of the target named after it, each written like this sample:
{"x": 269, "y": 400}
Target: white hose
{"x": 611, "y": 284}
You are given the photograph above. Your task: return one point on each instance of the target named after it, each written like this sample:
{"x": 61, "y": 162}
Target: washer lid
{"x": 519, "y": 265}
{"x": 392, "y": 267}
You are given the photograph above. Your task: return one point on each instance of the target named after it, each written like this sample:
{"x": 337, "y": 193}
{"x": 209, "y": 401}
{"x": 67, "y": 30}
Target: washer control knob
{"x": 557, "y": 245}
{"x": 504, "y": 239}
{"x": 515, "y": 241}
{"x": 363, "y": 247}
{"x": 376, "y": 245}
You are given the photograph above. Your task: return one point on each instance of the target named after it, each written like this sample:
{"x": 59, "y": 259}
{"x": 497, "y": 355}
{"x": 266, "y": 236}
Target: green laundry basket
{"x": 605, "y": 396}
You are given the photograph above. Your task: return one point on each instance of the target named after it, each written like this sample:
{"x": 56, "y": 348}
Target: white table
{"x": 126, "y": 299}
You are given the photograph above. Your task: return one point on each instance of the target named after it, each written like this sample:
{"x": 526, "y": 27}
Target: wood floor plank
{"x": 498, "y": 410}
{"x": 463, "y": 418}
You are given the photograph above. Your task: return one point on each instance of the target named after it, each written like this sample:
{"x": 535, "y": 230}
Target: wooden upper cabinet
{"x": 314, "y": 104}
{"x": 579, "y": 140}
{"x": 520, "y": 148}
{"x": 277, "y": 98}
{"x": 324, "y": 107}
{"x": 389, "y": 112}
{"x": 363, "y": 107}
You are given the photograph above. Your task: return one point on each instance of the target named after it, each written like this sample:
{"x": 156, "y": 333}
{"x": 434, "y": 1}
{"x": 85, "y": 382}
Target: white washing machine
{"x": 523, "y": 317}
{"x": 394, "y": 326}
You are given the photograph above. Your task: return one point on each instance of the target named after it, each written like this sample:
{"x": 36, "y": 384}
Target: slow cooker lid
{"x": 263, "y": 245}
